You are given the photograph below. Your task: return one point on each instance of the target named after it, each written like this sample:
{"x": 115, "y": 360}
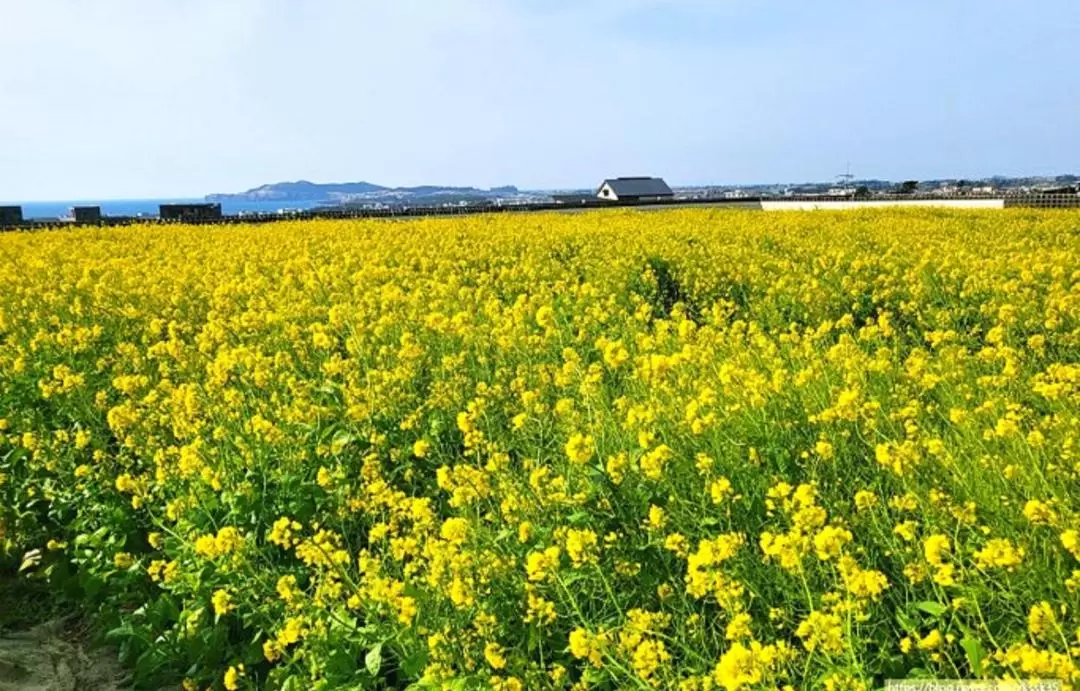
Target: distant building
{"x": 634, "y": 189}
{"x": 807, "y": 191}
{"x": 86, "y": 214}
{"x": 577, "y": 199}
{"x": 1065, "y": 189}
{"x": 10, "y": 216}
{"x": 190, "y": 213}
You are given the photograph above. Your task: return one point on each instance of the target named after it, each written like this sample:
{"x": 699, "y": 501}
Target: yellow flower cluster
{"x": 690, "y": 449}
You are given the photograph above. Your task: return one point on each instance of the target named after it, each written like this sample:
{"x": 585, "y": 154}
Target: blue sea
{"x": 149, "y": 207}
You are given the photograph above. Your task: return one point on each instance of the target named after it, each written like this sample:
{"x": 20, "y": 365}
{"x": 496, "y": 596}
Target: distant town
{"x": 271, "y": 201}
{"x": 364, "y": 195}
{"x": 850, "y": 187}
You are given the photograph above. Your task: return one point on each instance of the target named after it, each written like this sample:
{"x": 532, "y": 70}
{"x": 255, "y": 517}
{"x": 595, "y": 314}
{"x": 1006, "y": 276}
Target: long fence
{"x": 1038, "y": 201}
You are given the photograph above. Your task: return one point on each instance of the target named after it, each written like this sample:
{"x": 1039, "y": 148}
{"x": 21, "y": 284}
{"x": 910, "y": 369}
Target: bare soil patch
{"x": 41, "y": 650}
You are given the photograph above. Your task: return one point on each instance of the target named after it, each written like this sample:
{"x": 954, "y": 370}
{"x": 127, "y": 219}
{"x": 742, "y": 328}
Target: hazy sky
{"x": 143, "y": 98}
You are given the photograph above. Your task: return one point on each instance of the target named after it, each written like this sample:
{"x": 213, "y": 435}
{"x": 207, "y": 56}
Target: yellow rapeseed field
{"x": 690, "y": 449}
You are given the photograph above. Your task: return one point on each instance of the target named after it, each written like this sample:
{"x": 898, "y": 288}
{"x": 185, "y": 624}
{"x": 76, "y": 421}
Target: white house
{"x": 634, "y": 189}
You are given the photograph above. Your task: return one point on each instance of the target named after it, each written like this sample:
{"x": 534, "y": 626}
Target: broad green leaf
{"x": 373, "y": 659}
{"x": 975, "y": 653}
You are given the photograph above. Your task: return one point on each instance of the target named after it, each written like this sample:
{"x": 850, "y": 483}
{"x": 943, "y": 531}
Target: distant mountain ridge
{"x": 359, "y": 192}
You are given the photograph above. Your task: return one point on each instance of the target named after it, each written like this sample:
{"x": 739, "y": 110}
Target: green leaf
{"x": 340, "y": 667}
{"x": 934, "y": 609}
{"x": 343, "y": 438}
{"x": 578, "y": 518}
{"x": 293, "y": 683}
{"x": 975, "y": 653}
{"x": 573, "y": 577}
{"x": 149, "y": 662}
{"x": 91, "y": 586}
{"x": 373, "y": 659}
{"x": 414, "y": 662}
{"x": 116, "y": 634}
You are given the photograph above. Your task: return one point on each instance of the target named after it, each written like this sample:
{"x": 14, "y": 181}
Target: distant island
{"x": 370, "y": 194}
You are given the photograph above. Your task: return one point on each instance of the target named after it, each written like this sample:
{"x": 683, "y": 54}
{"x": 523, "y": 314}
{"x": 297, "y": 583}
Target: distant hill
{"x": 299, "y": 191}
{"x": 362, "y": 193}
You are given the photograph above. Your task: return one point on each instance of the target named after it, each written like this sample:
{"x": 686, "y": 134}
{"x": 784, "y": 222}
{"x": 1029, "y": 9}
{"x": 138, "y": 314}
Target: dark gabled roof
{"x": 639, "y": 187}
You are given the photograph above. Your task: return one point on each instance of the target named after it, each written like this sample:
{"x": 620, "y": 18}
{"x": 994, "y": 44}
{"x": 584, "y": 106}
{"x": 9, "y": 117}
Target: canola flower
{"x": 694, "y": 449}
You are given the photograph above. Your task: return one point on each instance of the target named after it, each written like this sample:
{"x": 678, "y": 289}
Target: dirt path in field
{"x": 44, "y": 647}
{"x": 54, "y": 657}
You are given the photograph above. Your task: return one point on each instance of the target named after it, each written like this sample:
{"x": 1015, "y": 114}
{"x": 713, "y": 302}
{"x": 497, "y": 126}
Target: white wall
{"x": 796, "y": 205}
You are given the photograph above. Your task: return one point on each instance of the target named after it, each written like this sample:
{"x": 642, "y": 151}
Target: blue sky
{"x": 145, "y": 98}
